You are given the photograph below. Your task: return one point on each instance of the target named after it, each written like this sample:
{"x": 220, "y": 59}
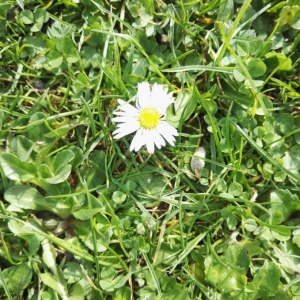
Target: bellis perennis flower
{"x": 147, "y": 119}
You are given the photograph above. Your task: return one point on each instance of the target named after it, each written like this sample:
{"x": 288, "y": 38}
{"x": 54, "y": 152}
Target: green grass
{"x": 82, "y": 217}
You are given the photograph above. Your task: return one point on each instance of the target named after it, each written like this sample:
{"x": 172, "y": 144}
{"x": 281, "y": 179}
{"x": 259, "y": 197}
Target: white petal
{"x": 158, "y": 92}
{"x": 163, "y": 126}
{"x": 137, "y": 141}
{"x": 163, "y": 105}
{"x": 124, "y": 119}
{"x": 160, "y": 98}
{"x": 125, "y": 129}
{"x": 150, "y": 146}
{"x": 148, "y": 134}
{"x": 126, "y": 107}
{"x": 167, "y": 131}
{"x": 158, "y": 140}
{"x": 126, "y": 114}
{"x": 143, "y": 95}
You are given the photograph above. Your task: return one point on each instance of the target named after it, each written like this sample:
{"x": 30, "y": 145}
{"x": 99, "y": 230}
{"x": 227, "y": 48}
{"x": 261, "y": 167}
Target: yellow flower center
{"x": 149, "y": 118}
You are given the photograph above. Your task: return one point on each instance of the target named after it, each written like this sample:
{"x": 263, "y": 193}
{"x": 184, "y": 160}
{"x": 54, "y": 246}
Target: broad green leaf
{"x": 29, "y": 198}
{"x": 27, "y": 17}
{"x": 296, "y": 21}
{"x": 123, "y": 293}
{"x": 54, "y": 60}
{"x": 25, "y": 197}
{"x": 256, "y": 67}
{"x": 226, "y": 195}
{"x": 238, "y": 75}
{"x": 222, "y": 277}
{"x": 102, "y": 240}
{"x": 108, "y": 273}
{"x": 288, "y": 255}
{"x": 250, "y": 225}
{"x": 72, "y": 56}
{"x": 283, "y": 204}
{"x": 78, "y": 156}
{"x": 15, "y": 169}
{"x": 38, "y": 129}
{"x": 61, "y": 159}
{"x": 103, "y": 232}
{"x": 90, "y": 56}
{"x": 235, "y": 188}
{"x": 41, "y": 16}
{"x": 61, "y": 175}
{"x": 226, "y": 10}
{"x": 167, "y": 253}
{"x": 147, "y": 292}
{"x": 59, "y": 29}
{"x": 21, "y": 146}
{"x": 119, "y": 197}
{"x": 243, "y": 48}
{"x": 64, "y": 44}
{"x": 231, "y": 222}
{"x": 288, "y": 14}
{"x": 139, "y": 68}
{"x": 80, "y": 289}
{"x": 150, "y": 183}
{"x": 281, "y": 235}
{"x": 256, "y": 46}
{"x": 296, "y": 237}
{"x": 277, "y": 217}
{"x": 37, "y": 42}
{"x": 116, "y": 283}
{"x": 184, "y": 106}
{"x": 26, "y": 233}
{"x": 277, "y": 41}
{"x": 285, "y": 123}
{"x": 266, "y": 281}
{"x": 80, "y": 83}
{"x": 44, "y": 171}
{"x": 17, "y": 278}
{"x": 278, "y": 60}
{"x": 279, "y": 176}
{"x": 49, "y": 258}
{"x": 290, "y": 162}
{"x": 36, "y": 27}
{"x": 85, "y": 212}
{"x": 33, "y": 242}
{"x": 58, "y": 189}
{"x": 129, "y": 186}
{"x": 94, "y": 171}
{"x": 237, "y": 256}
{"x": 73, "y": 272}
{"x": 71, "y": 245}
{"x": 54, "y": 284}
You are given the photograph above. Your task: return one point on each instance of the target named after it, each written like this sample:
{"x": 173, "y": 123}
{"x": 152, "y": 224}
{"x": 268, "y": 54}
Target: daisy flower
{"x": 147, "y": 119}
